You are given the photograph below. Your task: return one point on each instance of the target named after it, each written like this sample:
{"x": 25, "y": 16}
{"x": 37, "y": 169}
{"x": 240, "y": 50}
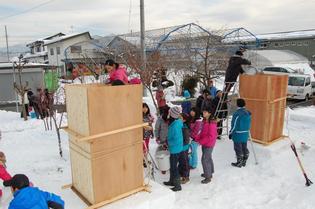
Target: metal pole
{"x": 142, "y": 36}
{"x": 6, "y": 38}
{"x": 16, "y": 96}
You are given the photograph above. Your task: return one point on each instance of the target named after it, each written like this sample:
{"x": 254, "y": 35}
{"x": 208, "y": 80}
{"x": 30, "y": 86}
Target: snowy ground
{"x": 275, "y": 183}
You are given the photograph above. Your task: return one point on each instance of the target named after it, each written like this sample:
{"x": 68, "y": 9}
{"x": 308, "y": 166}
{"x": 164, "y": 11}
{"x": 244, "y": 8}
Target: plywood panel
{"x": 77, "y": 109}
{"x": 81, "y": 168}
{"x": 263, "y": 86}
{"x": 114, "y": 107}
{"x": 267, "y": 119}
{"x": 122, "y": 172}
{"x": 109, "y": 165}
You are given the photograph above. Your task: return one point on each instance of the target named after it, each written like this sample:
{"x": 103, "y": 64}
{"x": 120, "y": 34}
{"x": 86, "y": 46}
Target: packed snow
{"x": 276, "y": 182}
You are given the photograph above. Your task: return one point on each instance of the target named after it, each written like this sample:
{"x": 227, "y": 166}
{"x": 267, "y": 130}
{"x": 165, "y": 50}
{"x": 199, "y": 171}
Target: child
{"x": 183, "y": 157}
{"x": 195, "y": 126}
{"x": 4, "y": 175}
{"x": 240, "y": 133}
{"x": 31, "y": 197}
{"x": 175, "y": 145}
{"x": 161, "y": 126}
{"x": 186, "y": 106}
{"x": 207, "y": 139}
{"x": 160, "y": 98}
{"x": 148, "y": 130}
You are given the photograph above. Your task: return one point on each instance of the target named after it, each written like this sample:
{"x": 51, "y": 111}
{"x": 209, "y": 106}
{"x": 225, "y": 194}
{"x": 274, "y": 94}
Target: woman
{"x": 116, "y": 71}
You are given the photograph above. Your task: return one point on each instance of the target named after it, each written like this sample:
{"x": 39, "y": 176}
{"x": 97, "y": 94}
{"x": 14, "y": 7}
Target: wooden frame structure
{"x": 265, "y": 97}
{"x": 105, "y": 130}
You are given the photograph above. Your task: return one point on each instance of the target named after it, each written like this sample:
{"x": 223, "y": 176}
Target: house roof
{"x": 9, "y": 65}
{"x": 42, "y": 40}
{"x": 69, "y": 36}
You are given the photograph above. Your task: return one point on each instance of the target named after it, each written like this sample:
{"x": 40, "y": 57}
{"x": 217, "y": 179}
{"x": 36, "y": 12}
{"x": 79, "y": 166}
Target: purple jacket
{"x": 208, "y": 134}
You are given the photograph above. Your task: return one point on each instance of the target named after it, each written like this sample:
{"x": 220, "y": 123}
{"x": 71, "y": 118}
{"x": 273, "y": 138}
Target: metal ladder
{"x": 224, "y": 99}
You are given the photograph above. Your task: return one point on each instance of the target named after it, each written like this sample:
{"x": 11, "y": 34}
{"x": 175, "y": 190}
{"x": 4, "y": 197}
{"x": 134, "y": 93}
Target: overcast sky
{"x": 104, "y": 17}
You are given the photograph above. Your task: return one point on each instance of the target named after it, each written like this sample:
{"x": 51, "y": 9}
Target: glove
{"x": 230, "y": 136}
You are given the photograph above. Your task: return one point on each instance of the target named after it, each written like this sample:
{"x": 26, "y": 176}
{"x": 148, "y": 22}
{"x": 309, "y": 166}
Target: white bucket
{"x": 163, "y": 160}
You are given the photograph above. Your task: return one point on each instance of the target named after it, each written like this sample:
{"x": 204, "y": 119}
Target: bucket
{"x": 33, "y": 114}
{"x": 163, "y": 160}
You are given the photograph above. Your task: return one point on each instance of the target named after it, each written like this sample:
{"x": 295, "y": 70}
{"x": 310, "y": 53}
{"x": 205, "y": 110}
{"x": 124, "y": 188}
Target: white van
{"x": 300, "y": 87}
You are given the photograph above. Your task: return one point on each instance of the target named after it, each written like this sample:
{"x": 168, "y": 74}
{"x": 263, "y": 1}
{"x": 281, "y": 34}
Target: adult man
{"x": 239, "y": 133}
{"x": 234, "y": 69}
{"x": 26, "y": 197}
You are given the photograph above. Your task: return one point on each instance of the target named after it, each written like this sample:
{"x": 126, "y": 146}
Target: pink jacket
{"x": 208, "y": 134}
{"x": 195, "y": 128}
{"x": 4, "y": 175}
{"x": 119, "y": 74}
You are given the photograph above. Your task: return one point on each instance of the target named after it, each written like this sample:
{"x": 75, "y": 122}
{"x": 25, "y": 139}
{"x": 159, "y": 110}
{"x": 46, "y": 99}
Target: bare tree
{"x": 20, "y": 88}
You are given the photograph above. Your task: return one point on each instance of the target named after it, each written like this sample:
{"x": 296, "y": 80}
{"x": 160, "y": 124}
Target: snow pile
{"x": 275, "y": 183}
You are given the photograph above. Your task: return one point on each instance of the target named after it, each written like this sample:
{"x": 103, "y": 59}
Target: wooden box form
{"x": 108, "y": 166}
{"x": 265, "y": 97}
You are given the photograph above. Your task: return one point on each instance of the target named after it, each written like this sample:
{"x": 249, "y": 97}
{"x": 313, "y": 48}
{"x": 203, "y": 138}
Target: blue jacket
{"x": 186, "y": 106}
{"x": 240, "y": 125}
{"x": 34, "y": 198}
{"x": 213, "y": 91}
{"x": 175, "y": 136}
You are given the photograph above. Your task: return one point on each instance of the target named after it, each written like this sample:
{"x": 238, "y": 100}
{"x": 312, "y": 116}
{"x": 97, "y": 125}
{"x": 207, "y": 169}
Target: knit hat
{"x": 175, "y": 112}
{"x": 240, "y": 102}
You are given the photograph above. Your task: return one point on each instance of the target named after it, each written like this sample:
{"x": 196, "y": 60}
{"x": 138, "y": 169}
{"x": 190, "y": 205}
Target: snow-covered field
{"x": 275, "y": 183}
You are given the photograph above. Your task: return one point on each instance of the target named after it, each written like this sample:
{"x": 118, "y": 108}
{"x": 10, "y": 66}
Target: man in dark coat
{"x": 234, "y": 69}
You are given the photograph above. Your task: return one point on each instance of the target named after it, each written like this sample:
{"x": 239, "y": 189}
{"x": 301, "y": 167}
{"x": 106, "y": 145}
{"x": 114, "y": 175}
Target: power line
{"x": 27, "y": 10}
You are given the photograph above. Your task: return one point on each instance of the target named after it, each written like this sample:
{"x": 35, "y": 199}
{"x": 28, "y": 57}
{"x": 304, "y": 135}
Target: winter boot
{"x": 206, "y": 180}
{"x": 169, "y": 183}
{"x": 202, "y": 175}
{"x": 184, "y": 180}
{"x": 239, "y": 162}
{"x": 244, "y": 160}
{"x": 177, "y": 186}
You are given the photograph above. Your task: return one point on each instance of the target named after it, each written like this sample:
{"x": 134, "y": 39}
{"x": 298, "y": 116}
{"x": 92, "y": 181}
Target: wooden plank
{"x": 106, "y": 202}
{"x": 90, "y": 138}
{"x": 67, "y": 186}
{"x": 271, "y": 142}
{"x": 77, "y": 109}
{"x": 114, "y": 107}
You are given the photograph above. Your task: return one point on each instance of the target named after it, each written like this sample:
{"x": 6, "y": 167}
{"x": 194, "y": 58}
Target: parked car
{"x": 278, "y": 70}
{"x": 300, "y": 87}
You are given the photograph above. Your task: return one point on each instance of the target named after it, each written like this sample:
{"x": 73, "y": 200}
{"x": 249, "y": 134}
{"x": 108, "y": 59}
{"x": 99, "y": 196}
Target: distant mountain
{"x": 14, "y": 51}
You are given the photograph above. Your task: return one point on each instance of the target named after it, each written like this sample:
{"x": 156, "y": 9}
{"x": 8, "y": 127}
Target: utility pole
{"x": 6, "y": 38}
{"x": 142, "y": 29}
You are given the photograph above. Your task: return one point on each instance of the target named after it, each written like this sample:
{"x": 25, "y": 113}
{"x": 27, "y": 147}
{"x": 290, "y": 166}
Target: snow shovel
{"x": 308, "y": 181}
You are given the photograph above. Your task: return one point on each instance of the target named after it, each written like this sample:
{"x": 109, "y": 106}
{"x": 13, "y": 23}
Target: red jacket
{"x": 160, "y": 98}
{"x": 4, "y": 175}
{"x": 208, "y": 135}
{"x": 119, "y": 74}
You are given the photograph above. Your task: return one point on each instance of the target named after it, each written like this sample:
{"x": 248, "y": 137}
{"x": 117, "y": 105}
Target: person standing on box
{"x": 175, "y": 146}
{"x": 116, "y": 71}
{"x": 239, "y": 133}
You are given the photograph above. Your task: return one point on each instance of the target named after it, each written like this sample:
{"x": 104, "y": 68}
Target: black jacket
{"x": 235, "y": 68}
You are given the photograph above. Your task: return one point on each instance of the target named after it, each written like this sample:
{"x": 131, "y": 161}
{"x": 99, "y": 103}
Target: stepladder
{"x": 224, "y": 106}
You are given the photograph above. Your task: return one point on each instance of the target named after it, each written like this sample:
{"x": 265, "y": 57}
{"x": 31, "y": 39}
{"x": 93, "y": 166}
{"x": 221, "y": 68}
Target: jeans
{"x": 207, "y": 162}
{"x": 174, "y": 173}
{"x": 193, "y": 159}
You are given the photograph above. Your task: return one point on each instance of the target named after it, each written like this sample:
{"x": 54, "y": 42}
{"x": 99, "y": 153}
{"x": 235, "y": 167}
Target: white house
{"x": 38, "y": 52}
{"x": 63, "y": 47}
